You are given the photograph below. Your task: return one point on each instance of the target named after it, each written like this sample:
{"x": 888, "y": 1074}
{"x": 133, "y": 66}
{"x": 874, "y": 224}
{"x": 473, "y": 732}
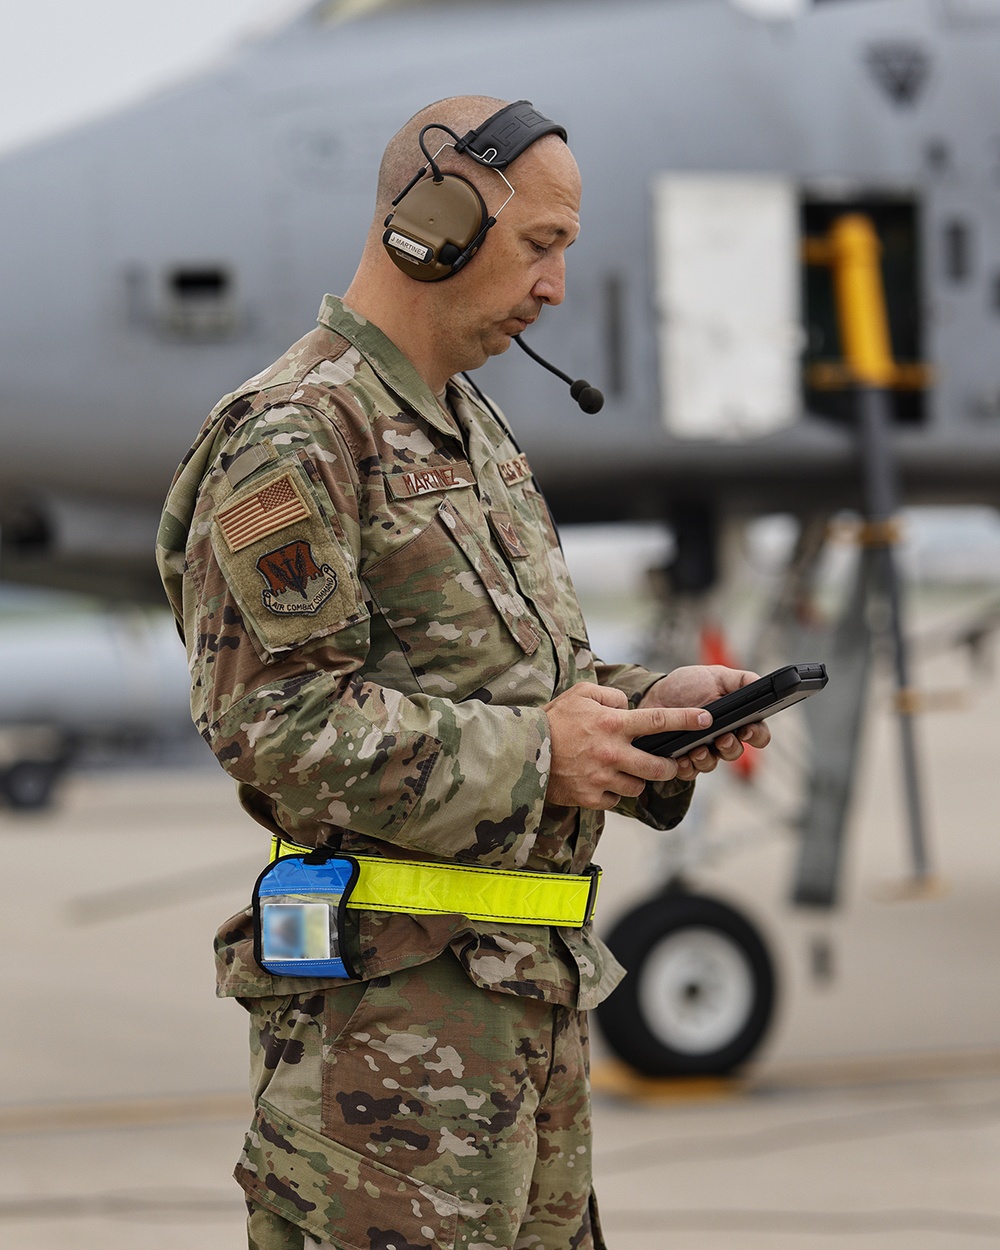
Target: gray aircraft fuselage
{"x": 152, "y": 261}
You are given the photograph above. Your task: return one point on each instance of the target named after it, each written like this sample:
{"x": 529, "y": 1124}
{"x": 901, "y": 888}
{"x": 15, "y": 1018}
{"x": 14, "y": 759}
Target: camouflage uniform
{"x": 376, "y": 609}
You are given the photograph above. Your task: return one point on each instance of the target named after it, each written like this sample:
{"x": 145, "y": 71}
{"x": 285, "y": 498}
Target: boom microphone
{"x": 588, "y": 397}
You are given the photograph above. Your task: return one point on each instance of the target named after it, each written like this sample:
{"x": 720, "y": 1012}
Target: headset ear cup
{"x": 432, "y": 226}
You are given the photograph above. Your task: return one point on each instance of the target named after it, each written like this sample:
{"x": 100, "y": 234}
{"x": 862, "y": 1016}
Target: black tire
{"x": 28, "y": 785}
{"x": 700, "y": 991}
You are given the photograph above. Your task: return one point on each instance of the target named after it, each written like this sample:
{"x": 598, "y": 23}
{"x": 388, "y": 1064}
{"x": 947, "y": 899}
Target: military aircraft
{"x": 152, "y": 260}
{"x": 82, "y": 684}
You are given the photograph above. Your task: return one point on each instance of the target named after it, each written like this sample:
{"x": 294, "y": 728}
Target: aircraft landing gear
{"x": 29, "y": 784}
{"x": 700, "y": 991}
{"x": 33, "y": 759}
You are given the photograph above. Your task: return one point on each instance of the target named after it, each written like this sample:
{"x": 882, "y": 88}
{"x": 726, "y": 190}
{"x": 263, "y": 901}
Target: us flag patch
{"x": 264, "y": 512}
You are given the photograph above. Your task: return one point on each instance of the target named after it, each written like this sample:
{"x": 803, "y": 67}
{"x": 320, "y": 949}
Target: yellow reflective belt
{"x": 427, "y": 889}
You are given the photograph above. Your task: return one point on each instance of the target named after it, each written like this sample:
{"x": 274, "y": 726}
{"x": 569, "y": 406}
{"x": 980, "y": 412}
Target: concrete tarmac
{"x": 870, "y": 1119}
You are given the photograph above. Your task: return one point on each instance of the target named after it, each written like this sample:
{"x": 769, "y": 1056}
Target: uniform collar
{"x": 464, "y": 400}
{"x": 394, "y": 369}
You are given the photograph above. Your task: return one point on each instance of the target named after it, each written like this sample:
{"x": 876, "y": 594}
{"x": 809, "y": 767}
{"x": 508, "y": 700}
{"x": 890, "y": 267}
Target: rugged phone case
{"x": 762, "y": 698}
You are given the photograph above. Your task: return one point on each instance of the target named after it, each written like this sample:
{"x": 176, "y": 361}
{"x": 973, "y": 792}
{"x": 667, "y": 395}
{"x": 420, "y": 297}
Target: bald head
{"x": 402, "y": 157}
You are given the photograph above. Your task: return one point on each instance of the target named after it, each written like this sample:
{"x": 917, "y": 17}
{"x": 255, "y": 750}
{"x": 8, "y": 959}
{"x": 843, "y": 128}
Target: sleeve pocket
{"x": 284, "y": 561}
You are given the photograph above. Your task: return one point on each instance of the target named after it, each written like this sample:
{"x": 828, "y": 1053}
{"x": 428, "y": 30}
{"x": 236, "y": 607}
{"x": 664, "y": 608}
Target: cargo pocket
{"x": 451, "y": 608}
{"x": 335, "y": 1194}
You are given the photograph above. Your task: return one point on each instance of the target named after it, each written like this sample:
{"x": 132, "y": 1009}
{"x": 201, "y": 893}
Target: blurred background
{"x": 788, "y": 288}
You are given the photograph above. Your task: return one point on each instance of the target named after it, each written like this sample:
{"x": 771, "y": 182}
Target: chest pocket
{"x": 456, "y": 615}
{"x": 545, "y": 574}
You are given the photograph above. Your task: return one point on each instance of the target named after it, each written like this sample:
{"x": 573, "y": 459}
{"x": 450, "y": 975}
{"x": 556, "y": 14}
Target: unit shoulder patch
{"x": 294, "y": 584}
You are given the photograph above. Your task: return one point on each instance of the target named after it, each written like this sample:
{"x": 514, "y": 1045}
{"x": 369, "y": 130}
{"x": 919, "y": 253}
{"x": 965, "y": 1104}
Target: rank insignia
{"x": 502, "y": 524}
{"x": 295, "y": 585}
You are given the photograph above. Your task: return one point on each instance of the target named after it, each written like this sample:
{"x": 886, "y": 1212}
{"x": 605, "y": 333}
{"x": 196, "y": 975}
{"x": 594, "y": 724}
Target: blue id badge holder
{"x": 298, "y": 915}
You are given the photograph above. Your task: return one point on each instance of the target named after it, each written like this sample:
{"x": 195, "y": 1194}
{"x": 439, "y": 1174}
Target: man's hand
{"x": 594, "y": 763}
{"x": 701, "y": 684}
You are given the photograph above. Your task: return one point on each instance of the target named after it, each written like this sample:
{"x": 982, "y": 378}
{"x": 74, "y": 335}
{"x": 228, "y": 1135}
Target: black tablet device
{"x": 762, "y": 698}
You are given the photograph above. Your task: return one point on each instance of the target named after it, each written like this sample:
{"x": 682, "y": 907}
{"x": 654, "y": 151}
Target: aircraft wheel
{"x": 28, "y": 785}
{"x": 700, "y": 991}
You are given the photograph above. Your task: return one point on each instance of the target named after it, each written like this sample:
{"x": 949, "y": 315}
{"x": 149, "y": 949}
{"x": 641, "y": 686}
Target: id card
{"x": 297, "y": 930}
{"x": 298, "y": 909}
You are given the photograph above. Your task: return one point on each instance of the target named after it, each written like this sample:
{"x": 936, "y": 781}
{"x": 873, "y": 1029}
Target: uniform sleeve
{"x": 631, "y": 679}
{"x": 662, "y": 805}
{"x": 278, "y": 627}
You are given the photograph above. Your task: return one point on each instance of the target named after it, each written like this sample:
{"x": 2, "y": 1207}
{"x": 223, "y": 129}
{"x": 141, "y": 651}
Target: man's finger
{"x": 700, "y": 760}
{"x": 607, "y": 695}
{"x": 628, "y": 785}
{"x": 728, "y": 747}
{"x": 646, "y": 767}
{"x": 757, "y": 735}
{"x": 656, "y": 720}
{"x": 686, "y": 771}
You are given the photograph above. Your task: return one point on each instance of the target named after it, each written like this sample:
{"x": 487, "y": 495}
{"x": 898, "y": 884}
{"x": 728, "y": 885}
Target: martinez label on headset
{"x": 418, "y": 251}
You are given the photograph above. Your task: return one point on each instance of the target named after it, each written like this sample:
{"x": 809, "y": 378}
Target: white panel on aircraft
{"x": 727, "y": 295}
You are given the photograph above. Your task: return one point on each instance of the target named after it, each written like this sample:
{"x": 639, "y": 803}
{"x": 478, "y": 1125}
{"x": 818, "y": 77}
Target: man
{"x": 388, "y": 656}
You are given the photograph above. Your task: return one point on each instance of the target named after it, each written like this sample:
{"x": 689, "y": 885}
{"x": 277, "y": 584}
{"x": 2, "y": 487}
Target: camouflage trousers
{"x": 419, "y": 1112}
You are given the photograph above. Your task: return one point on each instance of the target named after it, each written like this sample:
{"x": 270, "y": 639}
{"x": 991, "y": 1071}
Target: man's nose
{"x": 551, "y": 284}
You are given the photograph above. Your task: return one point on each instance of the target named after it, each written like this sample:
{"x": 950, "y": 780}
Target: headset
{"x": 439, "y": 223}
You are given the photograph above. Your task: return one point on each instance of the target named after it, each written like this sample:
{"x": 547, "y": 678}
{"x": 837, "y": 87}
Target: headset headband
{"x": 505, "y": 135}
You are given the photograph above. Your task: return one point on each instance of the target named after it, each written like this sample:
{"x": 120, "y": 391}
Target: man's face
{"x": 522, "y": 264}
